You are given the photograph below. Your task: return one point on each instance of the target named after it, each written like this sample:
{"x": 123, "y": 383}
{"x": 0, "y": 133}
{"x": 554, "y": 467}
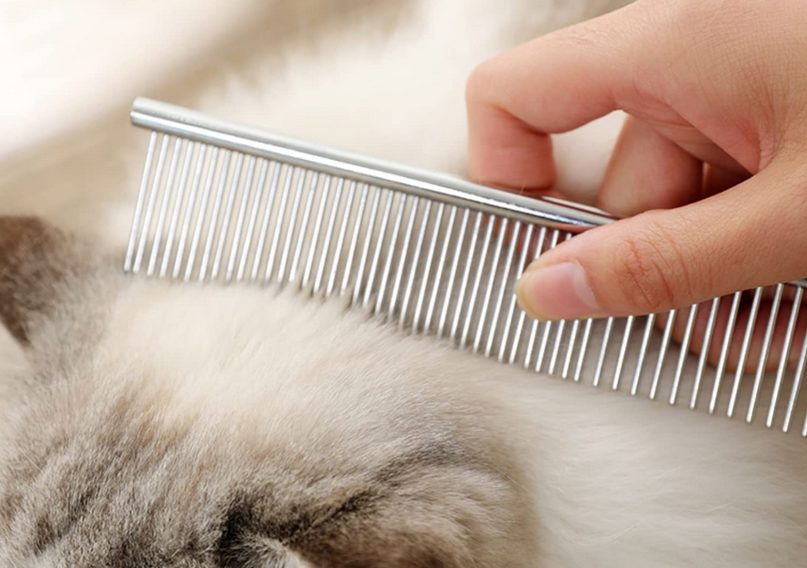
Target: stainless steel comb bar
{"x": 440, "y": 256}
{"x": 190, "y": 125}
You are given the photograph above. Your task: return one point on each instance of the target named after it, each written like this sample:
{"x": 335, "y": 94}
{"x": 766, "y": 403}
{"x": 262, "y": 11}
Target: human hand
{"x": 711, "y": 160}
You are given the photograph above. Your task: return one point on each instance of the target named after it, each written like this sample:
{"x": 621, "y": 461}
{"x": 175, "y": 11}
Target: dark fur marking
{"x": 320, "y": 530}
{"x": 442, "y": 454}
{"x": 27, "y": 271}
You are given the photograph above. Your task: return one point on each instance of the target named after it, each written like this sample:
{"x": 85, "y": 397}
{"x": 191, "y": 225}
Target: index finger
{"x": 552, "y": 84}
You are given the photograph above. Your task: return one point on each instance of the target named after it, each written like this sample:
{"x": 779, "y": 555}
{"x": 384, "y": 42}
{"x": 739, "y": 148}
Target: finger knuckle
{"x": 651, "y": 270}
{"x": 584, "y": 35}
{"x": 479, "y": 82}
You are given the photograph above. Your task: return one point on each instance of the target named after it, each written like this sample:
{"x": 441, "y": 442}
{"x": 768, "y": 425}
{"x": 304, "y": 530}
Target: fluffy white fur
{"x": 615, "y": 482}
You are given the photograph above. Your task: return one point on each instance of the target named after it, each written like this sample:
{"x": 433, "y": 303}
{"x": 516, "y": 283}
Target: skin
{"x": 710, "y": 165}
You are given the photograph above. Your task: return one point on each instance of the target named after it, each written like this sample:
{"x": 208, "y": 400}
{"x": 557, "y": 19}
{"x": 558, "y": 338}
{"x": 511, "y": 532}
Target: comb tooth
{"x": 326, "y": 246}
{"x": 705, "y": 347}
{"x": 214, "y": 216}
{"x": 553, "y": 359}
{"x": 281, "y": 215}
{"x": 804, "y": 428}
{"x": 744, "y": 350}
{"x": 421, "y": 298}
{"x": 151, "y": 203}
{"x": 531, "y": 340}
{"x": 683, "y": 354}
{"x": 382, "y": 235}
{"x": 164, "y": 202}
{"x": 763, "y": 356}
{"x": 319, "y": 273}
{"x": 497, "y": 306}
{"x": 292, "y": 223}
{"x": 623, "y": 351}
{"x": 365, "y": 249}
{"x": 413, "y": 270}
{"x": 497, "y": 253}
{"x": 253, "y": 219}
{"x": 606, "y": 338}
{"x": 665, "y": 344}
{"x": 480, "y": 269}
{"x": 410, "y": 227}
{"x": 441, "y": 263}
{"x": 511, "y": 310}
{"x": 797, "y": 378}
{"x": 186, "y": 223}
{"x": 179, "y": 200}
{"x": 581, "y": 357}
{"x": 235, "y": 180}
{"x": 453, "y": 273}
{"x": 567, "y": 361}
{"x": 548, "y": 324}
{"x": 443, "y": 323}
{"x": 263, "y": 232}
{"x": 201, "y": 161}
{"x": 141, "y": 197}
{"x": 298, "y": 248}
{"x": 523, "y": 315}
{"x": 354, "y": 240}
{"x": 204, "y": 203}
{"x": 466, "y": 276}
{"x": 788, "y": 342}
{"x": 728, "y": 338}
{"x": 238, "y": 231}
{"x": 643, "y": 348}
{"x": 312, "y": 247}
{"x": 391, "y": 250}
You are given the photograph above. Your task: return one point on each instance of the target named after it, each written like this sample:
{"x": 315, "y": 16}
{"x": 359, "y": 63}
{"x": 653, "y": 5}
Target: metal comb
{"x": 224, "y": 203}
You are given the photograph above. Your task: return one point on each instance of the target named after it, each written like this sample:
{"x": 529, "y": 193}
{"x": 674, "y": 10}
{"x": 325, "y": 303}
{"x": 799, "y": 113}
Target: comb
{"x": 440, "y": 256}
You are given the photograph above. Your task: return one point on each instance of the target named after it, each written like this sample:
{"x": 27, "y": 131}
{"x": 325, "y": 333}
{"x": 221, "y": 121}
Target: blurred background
{"x": 383, "y": 77}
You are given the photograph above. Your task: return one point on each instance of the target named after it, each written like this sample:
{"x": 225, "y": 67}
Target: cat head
{"x": 164, "y": 426}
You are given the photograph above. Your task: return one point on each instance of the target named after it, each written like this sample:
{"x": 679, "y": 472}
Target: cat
{"x": 145, "y": 424}
{"x": 166, "y": 425}
{"x": 149, "y": 432}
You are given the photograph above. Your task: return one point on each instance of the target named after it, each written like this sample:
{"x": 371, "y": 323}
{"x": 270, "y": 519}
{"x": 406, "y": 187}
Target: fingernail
{"x": 559, "y": 291}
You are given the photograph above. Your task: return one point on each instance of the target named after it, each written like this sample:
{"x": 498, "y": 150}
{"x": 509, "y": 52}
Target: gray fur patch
{"x": 29, "y": 271}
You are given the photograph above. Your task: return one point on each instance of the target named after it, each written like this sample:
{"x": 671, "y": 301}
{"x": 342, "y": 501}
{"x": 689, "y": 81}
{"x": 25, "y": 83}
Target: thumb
{"x": 745, "y": 237}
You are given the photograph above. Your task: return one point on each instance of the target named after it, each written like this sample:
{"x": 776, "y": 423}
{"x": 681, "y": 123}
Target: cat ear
{"x": 34, "y": 260}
